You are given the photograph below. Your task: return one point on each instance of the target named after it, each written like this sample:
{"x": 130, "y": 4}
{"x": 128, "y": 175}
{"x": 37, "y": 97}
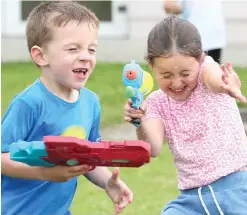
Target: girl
{"x": 195, "y": 111}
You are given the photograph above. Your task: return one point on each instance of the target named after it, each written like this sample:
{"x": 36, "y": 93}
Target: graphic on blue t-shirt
{"x": 75, "y": 131}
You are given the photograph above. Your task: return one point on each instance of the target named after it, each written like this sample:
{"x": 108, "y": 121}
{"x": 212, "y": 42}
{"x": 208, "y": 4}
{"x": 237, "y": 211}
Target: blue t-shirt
{"x": 33, "y": 114}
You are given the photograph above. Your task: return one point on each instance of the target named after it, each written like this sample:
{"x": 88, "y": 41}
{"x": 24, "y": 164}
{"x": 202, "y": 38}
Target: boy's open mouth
{"x": 80, "y": 72}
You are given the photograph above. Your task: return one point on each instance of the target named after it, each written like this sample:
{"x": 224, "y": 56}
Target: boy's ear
{"x": 38, "y": 56}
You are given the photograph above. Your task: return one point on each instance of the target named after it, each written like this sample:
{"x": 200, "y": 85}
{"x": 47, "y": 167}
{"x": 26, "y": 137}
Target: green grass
{"x": 242, "y": 72}
{"x": 153, "y": 185}
{"x": 105, "y": 81}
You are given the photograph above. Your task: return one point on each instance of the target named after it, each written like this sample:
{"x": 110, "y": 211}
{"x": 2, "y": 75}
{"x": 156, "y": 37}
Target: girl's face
{"x": 176, "y": 75}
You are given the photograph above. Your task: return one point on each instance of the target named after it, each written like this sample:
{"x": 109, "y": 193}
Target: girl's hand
{"x": 231, "y": 83}
{"x": 130, "y": 114}
{"x": 63, "y": 173}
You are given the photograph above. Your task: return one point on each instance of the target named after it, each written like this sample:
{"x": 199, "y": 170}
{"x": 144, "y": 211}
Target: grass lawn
{"x": 106, "y": 81}
{"x": 153, "y": 185}
{"x": 242, "y": 72}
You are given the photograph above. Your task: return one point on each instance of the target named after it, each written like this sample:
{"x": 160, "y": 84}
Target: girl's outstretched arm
{"x": 223, "y": 79}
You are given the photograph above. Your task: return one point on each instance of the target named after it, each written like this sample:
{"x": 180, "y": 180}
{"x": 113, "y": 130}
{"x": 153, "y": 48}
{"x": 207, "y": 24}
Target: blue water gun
{"x": 133, "y": 78}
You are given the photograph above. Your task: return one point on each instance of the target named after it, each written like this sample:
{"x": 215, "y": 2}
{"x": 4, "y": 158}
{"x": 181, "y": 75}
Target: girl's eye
{"x": 185, "y": 75}
{"x": 166, "y": 77}
{"x": 92, "y": 50}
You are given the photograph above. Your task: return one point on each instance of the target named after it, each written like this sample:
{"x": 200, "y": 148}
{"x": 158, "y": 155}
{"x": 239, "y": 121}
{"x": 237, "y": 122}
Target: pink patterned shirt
{"x": 205, "y": 134}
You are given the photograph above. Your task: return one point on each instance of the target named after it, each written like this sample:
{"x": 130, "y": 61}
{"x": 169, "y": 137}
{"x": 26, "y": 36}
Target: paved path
{"x": 127, "y": 131}
{"x": 119, "y": 132}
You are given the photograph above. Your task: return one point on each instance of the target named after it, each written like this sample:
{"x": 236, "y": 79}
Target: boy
{"x": 62, "y": 40}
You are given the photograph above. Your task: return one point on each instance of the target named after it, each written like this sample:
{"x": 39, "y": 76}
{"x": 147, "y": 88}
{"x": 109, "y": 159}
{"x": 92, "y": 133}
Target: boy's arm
{"x": 99, "y": 176}
{"x": 19, "y": 170}
{"x": 116, "y": 189}
{"x": 16, "y": 124}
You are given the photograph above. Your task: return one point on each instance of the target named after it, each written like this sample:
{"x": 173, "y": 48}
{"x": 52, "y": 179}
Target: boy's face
{"x": 71, "y": 54}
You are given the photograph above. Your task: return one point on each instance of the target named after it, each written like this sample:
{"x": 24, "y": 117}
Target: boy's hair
{"x": 174, "y": 35}
{"x": 49, "y": 15}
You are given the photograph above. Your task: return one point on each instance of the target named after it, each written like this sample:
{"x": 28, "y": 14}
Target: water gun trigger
{"x": 129, "y": 92}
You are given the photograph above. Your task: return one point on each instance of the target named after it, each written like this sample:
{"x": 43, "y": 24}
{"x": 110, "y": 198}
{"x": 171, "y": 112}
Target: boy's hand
{"x": 118, "y": 191}
{"x": 231, "y": 83}
{"x": 130, "y": 113}
{"x": 63, "y": 173}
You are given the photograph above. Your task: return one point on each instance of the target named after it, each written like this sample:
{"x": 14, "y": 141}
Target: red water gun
{"x": 61, "y": 150}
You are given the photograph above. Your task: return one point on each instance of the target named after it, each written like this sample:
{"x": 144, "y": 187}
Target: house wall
{"x": 142, "y": 15}
{"x": 236, "y": 28}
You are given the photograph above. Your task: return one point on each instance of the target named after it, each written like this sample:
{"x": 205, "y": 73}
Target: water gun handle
{"x": 30, "y": 153}
{"x": 136, "y": 122}
{"x": 136, "y": 98}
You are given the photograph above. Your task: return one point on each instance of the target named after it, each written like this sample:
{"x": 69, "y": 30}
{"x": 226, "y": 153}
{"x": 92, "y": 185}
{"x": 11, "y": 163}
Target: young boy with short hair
{"x": 62, "y": 40}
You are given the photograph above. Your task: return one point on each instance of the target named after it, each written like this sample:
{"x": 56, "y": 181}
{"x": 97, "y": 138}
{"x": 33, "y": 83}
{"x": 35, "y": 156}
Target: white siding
{"x": 235, "y": 9}
{"x": 237, "y": 32}
{"x": 147, "y": 10}
{"x": 14, "y": 49}
{"x": 235, "y": 13}
{"x": 142, "y": 16}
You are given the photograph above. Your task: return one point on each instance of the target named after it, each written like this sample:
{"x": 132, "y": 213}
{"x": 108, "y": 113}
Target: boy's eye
{"x": 72, "y": 49}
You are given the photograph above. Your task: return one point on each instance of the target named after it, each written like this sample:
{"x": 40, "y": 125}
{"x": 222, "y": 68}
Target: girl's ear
{"x": 203, "y": 55}
{"x": 37, "y": 54}
{"x": 150, "y": 65}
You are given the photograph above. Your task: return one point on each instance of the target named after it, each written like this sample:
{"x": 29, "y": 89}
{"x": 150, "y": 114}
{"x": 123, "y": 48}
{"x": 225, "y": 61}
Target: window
{"x": 112, "y": 16}
{"x": 102, "y": 9}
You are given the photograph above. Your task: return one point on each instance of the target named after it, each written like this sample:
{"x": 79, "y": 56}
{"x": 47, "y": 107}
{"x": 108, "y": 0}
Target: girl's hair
{"x": 174, "y": 35}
